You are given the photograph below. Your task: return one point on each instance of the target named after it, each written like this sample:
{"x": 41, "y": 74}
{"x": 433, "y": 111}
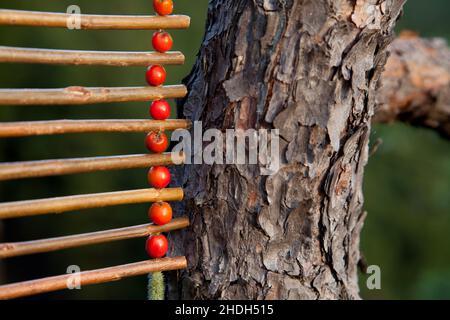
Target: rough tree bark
{"x": 309, "y": 68}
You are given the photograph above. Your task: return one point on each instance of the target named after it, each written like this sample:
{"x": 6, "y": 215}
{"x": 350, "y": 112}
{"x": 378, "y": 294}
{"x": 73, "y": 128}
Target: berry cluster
{"x": 159, "y": 177}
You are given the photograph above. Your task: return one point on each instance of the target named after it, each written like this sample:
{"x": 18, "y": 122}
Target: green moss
{"x": 156, "y": 287}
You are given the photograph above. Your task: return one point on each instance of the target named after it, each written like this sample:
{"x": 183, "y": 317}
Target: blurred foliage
{"x": 407, "y": 231}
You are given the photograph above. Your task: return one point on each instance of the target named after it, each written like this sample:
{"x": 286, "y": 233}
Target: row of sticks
{"x": 78, "y": 96}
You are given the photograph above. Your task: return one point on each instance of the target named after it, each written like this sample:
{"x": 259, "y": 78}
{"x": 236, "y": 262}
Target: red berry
{"x": 160, "y": 110}
{"x": 162, "y": 41}
{"x": 157, "y": 142}
{"x": 160, "y": 213}
{"x": 155, "y": 75}
{"x": 157, "y": 246}
{"x": 163, "y": 7}
{"x": 159, "y": 177}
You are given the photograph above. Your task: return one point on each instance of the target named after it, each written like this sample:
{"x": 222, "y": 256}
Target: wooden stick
{"x": 104, "y": 22}
{"x": 37, "y": 128}
{"x": 45, "y": 168}
{"x": 79, "y": 202}
{"x": 82, "y": 95}
{"x": 28, "y": 288}
{"x": 78, "y": 57}
{"x": 8, "y": 250}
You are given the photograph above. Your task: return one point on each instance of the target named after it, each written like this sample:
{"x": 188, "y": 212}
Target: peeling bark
{"x": 415, "y": 86}
{"x": 310, "y": 69}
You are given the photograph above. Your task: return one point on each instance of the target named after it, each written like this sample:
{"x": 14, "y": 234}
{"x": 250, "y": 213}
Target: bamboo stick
{"x": 78, "y": 57}
{"x": 37, "y": 128}
{"x": 45, "y": 168}
{"x": 8, "y": 250}
{"x": 82, "y": 95}
{"x": 103, "y": 22}
{"x": 28, "y": 288}
{"x": 80, "y": 202}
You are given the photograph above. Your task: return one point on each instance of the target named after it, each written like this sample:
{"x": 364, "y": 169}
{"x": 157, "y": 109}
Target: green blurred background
{"x": 407, "y": 232}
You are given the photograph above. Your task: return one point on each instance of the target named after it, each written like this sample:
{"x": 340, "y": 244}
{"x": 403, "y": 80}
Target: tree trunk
{"x": 310, "y": 69}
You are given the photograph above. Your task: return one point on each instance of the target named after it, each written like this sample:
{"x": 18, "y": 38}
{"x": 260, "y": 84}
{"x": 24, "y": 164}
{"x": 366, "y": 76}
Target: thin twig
{"x": 33, "y": 287}
{"x": 104, "y": 22}
{"x": 8, "y": 250}
{"x": 78, "y": 57}
{"x": 35, "y": 128}
{"x": 79, "y": 202}
{"x": 82, "y": 95}
{"x": 45, "y": 168}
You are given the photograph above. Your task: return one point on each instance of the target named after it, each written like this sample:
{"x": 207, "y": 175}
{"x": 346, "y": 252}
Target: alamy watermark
{"x": 231, "y": 146}
{"x": 74, "y": 280}
{"x": 373, "y": 281}
{"x": 74, "y": 19}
